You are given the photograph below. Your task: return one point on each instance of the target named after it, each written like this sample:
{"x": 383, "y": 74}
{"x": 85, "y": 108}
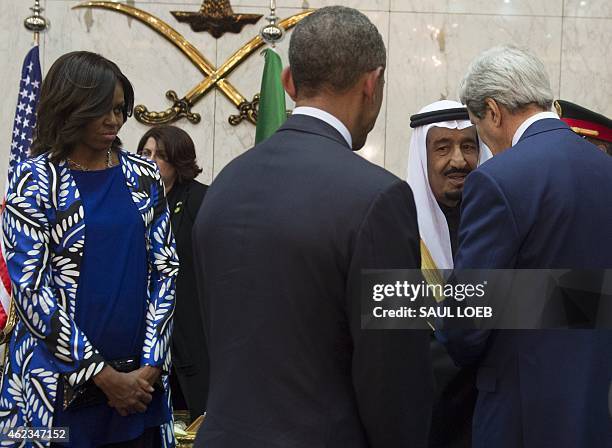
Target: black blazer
{"x": 189, "y": 355}
{"x": 281, "y": 239}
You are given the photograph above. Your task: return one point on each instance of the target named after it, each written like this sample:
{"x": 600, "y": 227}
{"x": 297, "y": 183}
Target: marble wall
{"x": 430, "y": 44}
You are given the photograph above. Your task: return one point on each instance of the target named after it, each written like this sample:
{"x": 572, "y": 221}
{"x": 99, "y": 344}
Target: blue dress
{"x": 111, "y": 303}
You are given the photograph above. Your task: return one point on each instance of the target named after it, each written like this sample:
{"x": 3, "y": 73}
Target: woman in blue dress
{"x": 93, "y": 265}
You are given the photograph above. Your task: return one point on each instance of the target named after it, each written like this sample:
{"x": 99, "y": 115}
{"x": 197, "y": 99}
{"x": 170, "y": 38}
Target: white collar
{"x": 327, "y": 118}
{"x": 528, "y": 122}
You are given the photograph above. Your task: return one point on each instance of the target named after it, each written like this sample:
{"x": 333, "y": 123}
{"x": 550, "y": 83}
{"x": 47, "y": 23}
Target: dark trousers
{"x": 189, "y": 390}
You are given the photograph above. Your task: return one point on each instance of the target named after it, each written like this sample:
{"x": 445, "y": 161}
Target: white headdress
{"x": 432, "y": 223}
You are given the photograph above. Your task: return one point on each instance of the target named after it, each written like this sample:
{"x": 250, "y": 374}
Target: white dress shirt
{"x": 327, "y": 118}
{"x": 528, "y": 122}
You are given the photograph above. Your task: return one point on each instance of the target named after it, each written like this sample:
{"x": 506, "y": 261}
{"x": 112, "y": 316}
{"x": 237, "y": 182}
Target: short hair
{"x": 178, "y": 147}
{"x": 332, "y": 48}
{"x": 78, "y": 88}
{"x": 511, "y": 76}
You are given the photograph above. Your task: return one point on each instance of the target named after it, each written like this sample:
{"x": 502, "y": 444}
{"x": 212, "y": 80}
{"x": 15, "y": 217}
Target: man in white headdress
{"x": 444, "y": 149}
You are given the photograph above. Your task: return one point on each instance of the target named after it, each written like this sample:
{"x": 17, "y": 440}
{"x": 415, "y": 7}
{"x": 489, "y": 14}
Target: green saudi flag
{"x": 272, "y": 111}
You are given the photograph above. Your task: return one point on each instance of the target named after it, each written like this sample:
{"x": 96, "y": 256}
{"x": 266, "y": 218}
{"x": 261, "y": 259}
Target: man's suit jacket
{"x": 544, "y": 203}
{"x": 281, "y": 239}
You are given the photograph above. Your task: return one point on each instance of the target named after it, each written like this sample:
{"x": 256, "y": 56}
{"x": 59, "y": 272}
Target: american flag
{"x": 23, "y": 131}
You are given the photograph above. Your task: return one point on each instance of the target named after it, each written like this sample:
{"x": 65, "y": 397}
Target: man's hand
{"x": 126, "y": 392}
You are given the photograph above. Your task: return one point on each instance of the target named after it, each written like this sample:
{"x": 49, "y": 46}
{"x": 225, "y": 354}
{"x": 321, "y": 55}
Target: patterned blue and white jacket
{"x": 44, "y": 237}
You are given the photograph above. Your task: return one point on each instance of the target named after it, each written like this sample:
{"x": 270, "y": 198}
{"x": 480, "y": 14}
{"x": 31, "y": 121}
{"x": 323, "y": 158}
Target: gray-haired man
{"x": 281, "y": 241}
{"x": 538, "y": 203}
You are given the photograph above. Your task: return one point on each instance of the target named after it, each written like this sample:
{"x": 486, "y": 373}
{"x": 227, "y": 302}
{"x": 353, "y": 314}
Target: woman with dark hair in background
{"x": 174, "y": 152}
{"x": 93, "y": 266}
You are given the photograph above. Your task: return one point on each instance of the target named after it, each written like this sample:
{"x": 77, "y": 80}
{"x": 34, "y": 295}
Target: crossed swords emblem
{"x": 214, "y": 77}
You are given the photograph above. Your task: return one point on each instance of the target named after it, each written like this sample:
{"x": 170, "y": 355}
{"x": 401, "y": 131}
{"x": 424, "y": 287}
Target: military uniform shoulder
{"x": 583, "y": 121}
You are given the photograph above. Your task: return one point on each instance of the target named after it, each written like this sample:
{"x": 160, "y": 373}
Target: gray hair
{"x": 333, "y": 47}
{"x": 511, "y": 76}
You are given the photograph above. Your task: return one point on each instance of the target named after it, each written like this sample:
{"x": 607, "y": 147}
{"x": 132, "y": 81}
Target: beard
{"x": 454, "y": 195}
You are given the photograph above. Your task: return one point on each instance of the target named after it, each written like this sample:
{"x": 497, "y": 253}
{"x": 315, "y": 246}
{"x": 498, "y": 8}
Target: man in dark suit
{"x": 444, "y": 149}
{"x": 540, "y": 202}
{"x": 281, "y": 240}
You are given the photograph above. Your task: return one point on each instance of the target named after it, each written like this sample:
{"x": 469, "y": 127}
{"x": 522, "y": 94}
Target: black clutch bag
{"x": 88, "y": 394}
